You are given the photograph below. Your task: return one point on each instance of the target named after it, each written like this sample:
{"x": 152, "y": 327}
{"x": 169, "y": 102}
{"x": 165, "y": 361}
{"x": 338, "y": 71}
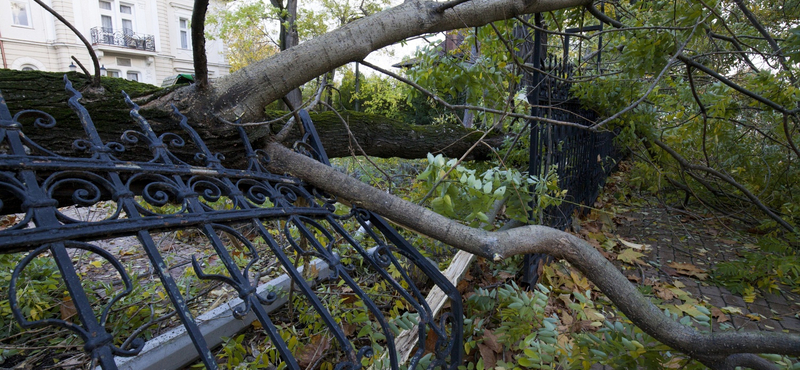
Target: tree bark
{"x": 377, "y": 135}
{"x": 724, "y": 350}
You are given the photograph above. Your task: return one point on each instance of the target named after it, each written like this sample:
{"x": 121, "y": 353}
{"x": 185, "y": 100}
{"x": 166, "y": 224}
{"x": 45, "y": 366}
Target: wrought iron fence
{"x": 288, "y": 216}
{"x": 124, "y": 38}
{"x": 583, "y": 158}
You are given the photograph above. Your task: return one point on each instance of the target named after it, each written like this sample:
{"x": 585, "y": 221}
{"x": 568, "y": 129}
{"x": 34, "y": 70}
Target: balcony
{"x": 123, "y": 38}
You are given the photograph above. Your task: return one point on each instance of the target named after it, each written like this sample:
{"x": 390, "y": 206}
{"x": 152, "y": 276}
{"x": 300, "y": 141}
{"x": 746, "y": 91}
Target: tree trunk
{"x": 377, "y": 135}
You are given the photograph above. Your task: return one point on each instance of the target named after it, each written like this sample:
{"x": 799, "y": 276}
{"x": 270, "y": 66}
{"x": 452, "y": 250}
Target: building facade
{"x": 142, "y": 40}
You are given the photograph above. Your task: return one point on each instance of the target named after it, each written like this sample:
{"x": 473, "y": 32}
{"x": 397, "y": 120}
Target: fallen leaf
{"x": 634, "y": 278}
{"x": 721, "y": 316}
{"x": 638, "y": 247}
{"x": 489, "y": 359}
{"x": 731, "y": 310}
{"x": 690, "y": 309}
{"x": 68, "y": 308}
{"x": 689, "y": 269}
{"x": 581, "y": 282}
{"x": 664, "y": 293}
{"x": 753, "y": 316}
{"x": 347, "y": 328}
{"x": 630, "y": 256}
{"x": 312, "y": 351}
{"x": 430, "y": 341}
{"x": 491, "y": 341}
{"x": 505, "y": 275}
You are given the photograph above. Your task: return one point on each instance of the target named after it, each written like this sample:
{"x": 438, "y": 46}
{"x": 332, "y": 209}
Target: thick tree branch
{"x": 199, "y": 44}
{"x": 235, "y": 96}
{"x": 717, "y": 350}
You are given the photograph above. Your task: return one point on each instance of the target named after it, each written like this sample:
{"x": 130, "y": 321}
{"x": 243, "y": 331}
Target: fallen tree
{"x": 244, "y": 95}
{"x": 377, "y": 135}
{"x": 725, "y": 350}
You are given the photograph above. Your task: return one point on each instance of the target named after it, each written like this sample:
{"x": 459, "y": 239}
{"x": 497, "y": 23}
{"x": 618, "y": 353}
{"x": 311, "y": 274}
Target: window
{"x": 126, "y": 14}
{"x": 20, "y": 12}
{"x": 28, "y": 67}
{"x": 124, "y": 62}
{"x": 133, "y": 76}
{"x": 184, "y": 27}
{"x": 127, "y": 26}
{"x": 107, "y": 23}
{"x": 114, "y": 74}
{"x": 117, "y": 17}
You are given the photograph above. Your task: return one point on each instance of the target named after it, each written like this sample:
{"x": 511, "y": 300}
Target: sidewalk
{"x": 673, "y": 237}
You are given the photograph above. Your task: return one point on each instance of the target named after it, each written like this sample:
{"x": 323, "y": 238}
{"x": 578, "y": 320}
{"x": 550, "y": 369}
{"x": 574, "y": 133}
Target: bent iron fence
{"x": 35, "y": 181}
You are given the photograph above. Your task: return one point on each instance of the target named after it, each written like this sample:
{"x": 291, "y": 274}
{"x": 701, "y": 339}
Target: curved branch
{"x": 717, "y": 350}
{"x": 235, "y": 96}
{"x": 602, "y": 17}
{"x": 96, "y": 80}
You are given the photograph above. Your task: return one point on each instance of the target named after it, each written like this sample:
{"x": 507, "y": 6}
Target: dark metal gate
{"x": 289, "y": 218}
{"x": 583, "y": 158}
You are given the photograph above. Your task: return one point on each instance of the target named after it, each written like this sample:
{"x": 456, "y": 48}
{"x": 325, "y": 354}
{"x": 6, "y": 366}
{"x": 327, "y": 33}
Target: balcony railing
{"x": 124, "y": 38}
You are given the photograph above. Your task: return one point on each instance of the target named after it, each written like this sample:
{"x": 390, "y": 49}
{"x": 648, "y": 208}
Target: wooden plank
{"x": 407, "y": 340}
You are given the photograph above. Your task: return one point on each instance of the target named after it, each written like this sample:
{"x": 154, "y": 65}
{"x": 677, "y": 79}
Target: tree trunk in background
{"x": 377, "y": 135}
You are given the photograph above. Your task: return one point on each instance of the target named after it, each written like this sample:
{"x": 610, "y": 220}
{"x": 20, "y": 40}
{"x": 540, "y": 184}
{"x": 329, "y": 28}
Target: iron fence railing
{"x": 124, "y": 38}
{"x": 36, "y": 181}
{"x": 583, "y": 158}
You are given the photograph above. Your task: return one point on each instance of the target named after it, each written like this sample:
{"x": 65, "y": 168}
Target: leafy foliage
{"x": 765, "y": 267}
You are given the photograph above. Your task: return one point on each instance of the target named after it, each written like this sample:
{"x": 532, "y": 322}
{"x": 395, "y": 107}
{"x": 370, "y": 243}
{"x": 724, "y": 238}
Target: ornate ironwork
{"x": 35, "y": 178}
{"x": 124, "y": 38}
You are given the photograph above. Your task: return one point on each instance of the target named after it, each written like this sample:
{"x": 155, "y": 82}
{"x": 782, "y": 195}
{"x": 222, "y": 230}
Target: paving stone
{"x": 782, "y": 310}
{"x": 760, "y": 301}
{"x": 710, "y": 290}
{"x": 759, "y": 309}
{"x": 733, "y": 300}
{"x": 748, "y": 325}
{"x": 724, "y": 290}
{"x": 775, "y": 298}
{"x": 774, "y": 325}
{"x": 792, "y": 325}
{"x": 714, "y": 300}
{"x": 694, "y": 290}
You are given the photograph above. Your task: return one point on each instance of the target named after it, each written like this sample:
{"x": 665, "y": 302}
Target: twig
{"x": 85, "y": 71}
{"x": 471, "y": 107}
{"x": 684, "y": 163}
{"x": 655, "y": 82}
